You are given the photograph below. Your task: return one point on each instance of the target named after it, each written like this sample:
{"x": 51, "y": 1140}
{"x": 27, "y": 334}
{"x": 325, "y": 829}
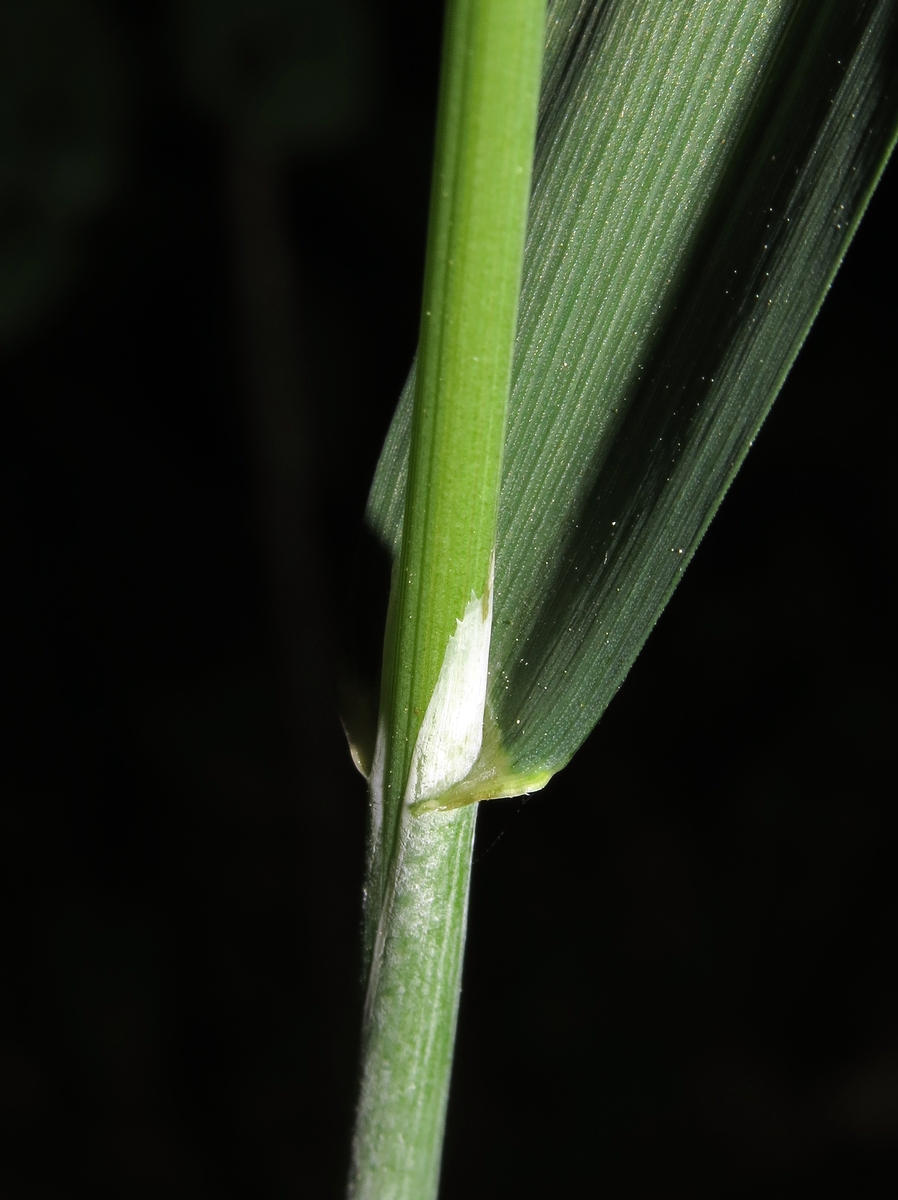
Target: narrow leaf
{"x": 700, "y": 171}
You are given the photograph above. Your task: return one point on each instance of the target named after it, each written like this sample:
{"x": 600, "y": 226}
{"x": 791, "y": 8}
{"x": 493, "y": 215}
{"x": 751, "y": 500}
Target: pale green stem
{"x": 435, "y": 653}
{"x": 410, "y": 1012}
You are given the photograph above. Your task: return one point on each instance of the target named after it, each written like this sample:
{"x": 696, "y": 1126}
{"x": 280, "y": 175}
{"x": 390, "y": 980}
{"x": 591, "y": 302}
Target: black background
{"x": 679, "y": 977}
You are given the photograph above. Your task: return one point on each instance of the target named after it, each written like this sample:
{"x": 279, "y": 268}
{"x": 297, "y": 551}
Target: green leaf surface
{"x": 700, "y": 171}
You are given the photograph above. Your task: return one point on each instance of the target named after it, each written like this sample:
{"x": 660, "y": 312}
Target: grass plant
{"x": 699, "y": 171}
{"x": 437, "y": 642}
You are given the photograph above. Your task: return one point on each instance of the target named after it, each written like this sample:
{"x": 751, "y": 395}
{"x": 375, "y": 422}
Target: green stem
{"x": 436, "y": 648}
{"x": 410, "y": 1012}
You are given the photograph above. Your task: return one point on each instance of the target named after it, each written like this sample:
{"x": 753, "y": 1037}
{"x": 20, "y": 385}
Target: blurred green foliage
{"x": 62, "y": 102}
{"x": 283, "y": 75}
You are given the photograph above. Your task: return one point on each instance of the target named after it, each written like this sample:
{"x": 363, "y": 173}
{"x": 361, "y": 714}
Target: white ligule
{"x": 450, "y": 735}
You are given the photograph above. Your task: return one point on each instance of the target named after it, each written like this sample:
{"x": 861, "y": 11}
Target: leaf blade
{"x": 664, "y": 301}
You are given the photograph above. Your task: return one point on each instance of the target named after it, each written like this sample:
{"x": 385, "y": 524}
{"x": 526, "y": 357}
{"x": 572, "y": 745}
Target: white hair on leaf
{"x": 451, "y": 733}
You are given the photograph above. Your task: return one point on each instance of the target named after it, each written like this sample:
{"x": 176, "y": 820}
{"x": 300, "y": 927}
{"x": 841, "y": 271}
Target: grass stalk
{"x": 436, "y": 650}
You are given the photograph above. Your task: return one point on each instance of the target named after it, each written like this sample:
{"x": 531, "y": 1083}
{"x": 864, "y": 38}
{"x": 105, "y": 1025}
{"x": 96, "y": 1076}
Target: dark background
{"x": 680, "y": 977}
